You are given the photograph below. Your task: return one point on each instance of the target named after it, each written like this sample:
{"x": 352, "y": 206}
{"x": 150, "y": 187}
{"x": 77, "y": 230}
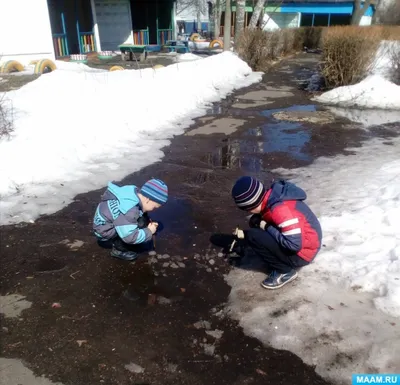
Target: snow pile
{"x": 187, "y": 57}
{"x": 375, "y": 91}
{"x": 75, "y": 130}
{"x": 77, "y": 67}
{"x": 342, "y": 313}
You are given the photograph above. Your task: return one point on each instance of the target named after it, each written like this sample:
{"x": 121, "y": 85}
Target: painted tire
{"x": 33, "y": 62}
{"x": 11, "y": 66}
{"x": 215, "y": 42}
{"x": 45, "y": 64}
{"x": 117, "y": 68}
{"x": 194, "y": 37}
{"x": 157, "y": 66}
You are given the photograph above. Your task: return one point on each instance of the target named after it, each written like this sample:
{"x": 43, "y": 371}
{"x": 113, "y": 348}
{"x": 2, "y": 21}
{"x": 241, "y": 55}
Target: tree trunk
{"x": 359, "y": 11}
{"x": 239, "y": 24}
{"x": 227, "y": 25}
{"x": 256, "y": 13}
{"x": 217, "y": 12}
{"x": 198, "y": 18}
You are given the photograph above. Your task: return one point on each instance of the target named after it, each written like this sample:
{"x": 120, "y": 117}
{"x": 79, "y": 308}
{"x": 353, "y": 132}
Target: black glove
{"x": 143, "y": 221}
{"x": 254, "y": 221}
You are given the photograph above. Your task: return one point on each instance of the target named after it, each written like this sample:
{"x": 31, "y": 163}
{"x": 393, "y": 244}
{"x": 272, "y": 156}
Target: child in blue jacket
{"x": 121, "y": 216}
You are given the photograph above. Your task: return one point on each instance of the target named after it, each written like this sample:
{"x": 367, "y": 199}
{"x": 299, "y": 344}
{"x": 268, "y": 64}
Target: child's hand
{"x": 153, "y": 227}
{"x": 143, "y": 221}
{"x": 239, "y": 233}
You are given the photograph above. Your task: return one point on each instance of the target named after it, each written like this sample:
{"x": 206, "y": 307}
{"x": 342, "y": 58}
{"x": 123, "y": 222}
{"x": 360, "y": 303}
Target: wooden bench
{"x": 129, "y": 51}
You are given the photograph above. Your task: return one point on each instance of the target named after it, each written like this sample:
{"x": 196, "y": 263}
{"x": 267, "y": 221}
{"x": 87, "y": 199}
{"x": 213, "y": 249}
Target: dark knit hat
{"x": 248, "y": 193}
{"x": 156, "y": 190}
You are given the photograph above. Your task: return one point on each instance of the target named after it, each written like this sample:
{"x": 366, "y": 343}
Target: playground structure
{"x": 40, "y": 66}
{"x": 72, "y": 27}
{"x": 85, "y": 26}
{"x": 78, "y": 29}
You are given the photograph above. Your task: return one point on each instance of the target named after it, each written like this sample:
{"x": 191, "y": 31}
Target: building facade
{"x": 59, "y": 28}
{"x": 303, "y": 13}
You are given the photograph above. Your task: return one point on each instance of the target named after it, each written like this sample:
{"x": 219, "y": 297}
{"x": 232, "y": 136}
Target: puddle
{"x": 284, "y": 137}
{"x": 296, "y": 107}
{"x": 280, "y": 136}
{"x": 248, "y": 151}
{"x": 176, "y": 218}
{"x": 233, "y": 157}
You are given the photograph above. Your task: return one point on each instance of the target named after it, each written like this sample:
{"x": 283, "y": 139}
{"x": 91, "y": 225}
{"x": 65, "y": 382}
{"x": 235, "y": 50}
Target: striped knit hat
{"x": 248, "y": 193}
{"x": 156, "y": 190}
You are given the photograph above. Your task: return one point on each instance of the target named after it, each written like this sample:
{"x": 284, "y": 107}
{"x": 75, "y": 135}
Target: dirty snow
{"x": 343, "y": 312}
{"x": 90, "y": 127}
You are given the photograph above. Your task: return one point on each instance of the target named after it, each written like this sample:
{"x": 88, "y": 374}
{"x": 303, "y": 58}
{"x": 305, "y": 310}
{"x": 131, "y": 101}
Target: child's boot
{"x": 124, "y": 255}
{"x": 276, "y": 280}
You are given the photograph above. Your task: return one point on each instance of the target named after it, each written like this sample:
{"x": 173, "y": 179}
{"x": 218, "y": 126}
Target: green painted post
{"x": 172, "y": 25}
{"x": 158, "y": 37}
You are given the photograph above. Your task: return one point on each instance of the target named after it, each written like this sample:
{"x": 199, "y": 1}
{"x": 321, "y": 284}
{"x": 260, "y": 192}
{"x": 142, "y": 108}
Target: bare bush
{"x": 6, "y": 118}
{"x": 262, "y": 48}
{"x": 395, "y": 60}
{"x": 349, "y": 52}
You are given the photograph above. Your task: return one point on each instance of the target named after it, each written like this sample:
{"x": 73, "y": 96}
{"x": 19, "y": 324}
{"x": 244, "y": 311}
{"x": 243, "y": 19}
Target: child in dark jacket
{"x": 121, "y": 216}
{"x": 283, "y": 229}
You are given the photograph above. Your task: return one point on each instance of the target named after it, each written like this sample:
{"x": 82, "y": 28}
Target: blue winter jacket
{"x": 117, "y": 215}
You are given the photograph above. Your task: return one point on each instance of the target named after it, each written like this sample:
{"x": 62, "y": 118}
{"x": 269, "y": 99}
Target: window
{"x": 306, "y": 19}
{"x": 340, "y": 19}
{"x": 321, "y": 20}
